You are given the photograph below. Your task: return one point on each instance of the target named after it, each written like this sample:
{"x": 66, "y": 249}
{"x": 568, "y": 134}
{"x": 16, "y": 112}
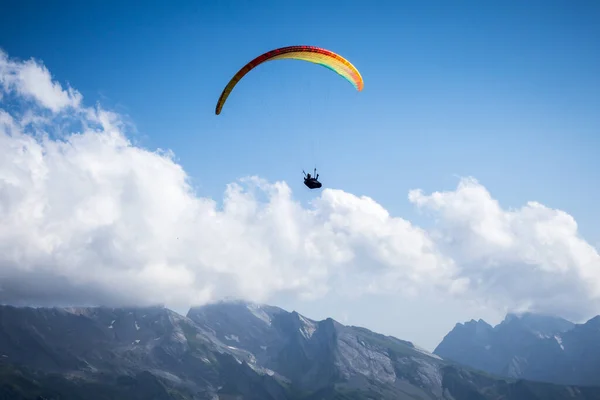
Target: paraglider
{"x": 312, "y": 182}
{"x": 316, "y": 55}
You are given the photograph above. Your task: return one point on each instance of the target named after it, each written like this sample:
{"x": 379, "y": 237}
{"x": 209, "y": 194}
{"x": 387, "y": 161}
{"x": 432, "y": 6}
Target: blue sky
{"x": 507, "y": 92}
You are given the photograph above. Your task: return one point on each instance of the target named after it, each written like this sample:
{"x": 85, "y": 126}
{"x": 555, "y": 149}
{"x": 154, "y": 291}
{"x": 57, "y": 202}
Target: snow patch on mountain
{"x": 259, "y": 313}
{"x": 308, "y": 327}
{"x": 559, "y": 341}
{"x": 232, "y": 338}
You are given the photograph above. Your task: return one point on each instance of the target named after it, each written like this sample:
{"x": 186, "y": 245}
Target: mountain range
{"x": 529, "y": 346}
{"x": 229, "y": 350}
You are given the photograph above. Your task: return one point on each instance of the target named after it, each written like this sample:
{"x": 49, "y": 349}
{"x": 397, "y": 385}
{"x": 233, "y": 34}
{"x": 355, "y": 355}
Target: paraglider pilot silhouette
{"x": 312, "y": 182}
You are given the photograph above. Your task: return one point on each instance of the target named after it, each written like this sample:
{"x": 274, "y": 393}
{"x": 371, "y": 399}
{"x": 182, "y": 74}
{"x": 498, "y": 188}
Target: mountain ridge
{"x": 530, "y": 346}
{"x": 225, "y": 350}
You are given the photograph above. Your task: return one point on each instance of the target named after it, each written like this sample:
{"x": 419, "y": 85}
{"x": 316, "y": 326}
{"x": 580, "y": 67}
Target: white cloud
{"x": 91, "y": 218}
{"x": 531, "y": 258}
{"x": 32, "y": 80}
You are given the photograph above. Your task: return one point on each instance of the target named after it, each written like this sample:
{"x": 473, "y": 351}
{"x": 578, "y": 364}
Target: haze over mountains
{"x": 230, "y": 350}
{"x": 529, "y": 346}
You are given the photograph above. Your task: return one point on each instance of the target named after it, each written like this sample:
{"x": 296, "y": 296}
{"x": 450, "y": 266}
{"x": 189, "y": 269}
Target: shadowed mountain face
{"x": 229, "y": 350}
{"x": 91, "y": 347}
{"x": 528, "y": 346}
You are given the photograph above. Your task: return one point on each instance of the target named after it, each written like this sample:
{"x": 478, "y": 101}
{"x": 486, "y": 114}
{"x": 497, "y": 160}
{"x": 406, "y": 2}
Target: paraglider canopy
{"x": 313, "y": 54}
{"x": 312, "y": 182}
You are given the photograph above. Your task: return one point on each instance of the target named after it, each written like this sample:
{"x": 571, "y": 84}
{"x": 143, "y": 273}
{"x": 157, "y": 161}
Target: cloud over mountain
{"x": 88, "y": 217}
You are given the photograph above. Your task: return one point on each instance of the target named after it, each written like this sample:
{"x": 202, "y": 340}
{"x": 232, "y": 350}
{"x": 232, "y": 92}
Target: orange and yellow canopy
{"x": 313, "y": 54}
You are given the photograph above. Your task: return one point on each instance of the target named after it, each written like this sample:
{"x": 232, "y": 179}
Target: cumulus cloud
{"x": 89, "y": 218}
{"x": 31, "y": 79}
{"x": 528, "y": 259}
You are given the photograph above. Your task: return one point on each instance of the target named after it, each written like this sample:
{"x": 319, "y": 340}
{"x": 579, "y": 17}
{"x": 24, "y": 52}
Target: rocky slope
{"x": 98, "y": 346}
{"x": 313, "y": 355}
